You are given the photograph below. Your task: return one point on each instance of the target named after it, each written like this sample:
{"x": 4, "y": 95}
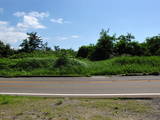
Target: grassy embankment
{"x": 45, "y": 64}
{"x": 39, "y": 108}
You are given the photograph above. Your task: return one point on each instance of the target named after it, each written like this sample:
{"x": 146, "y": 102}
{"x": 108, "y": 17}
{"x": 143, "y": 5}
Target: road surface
{"x": 82, "y": 86}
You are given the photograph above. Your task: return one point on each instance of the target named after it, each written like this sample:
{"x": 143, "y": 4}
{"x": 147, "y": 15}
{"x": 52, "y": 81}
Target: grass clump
{"x": 3, "y": 66}
{"x": 62, "y": 61}
{"x": 65, "y": 61}
{"x": 30, "y": 64}
{"x": 69, "y": 66}
{"x": 126, "y": 60}
{"x": 35, "y": 54}
{"x": 59, "y": 102}
{"x": 4, "y": 100}
{"x": 98, "y": 117}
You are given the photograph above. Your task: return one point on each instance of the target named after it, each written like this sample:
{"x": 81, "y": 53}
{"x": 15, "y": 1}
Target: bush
{"x": 64, "y": 61}
{"x": 61, "y": 61}
{"x": 124, "y": 60}
{"x": 104, "y": 47}
{"x": 3, "y": 66}
{"x": 5, "y": 50}
{"x": 85, "y": 51}
{"x": 30, "y": 64}
{"x": 69, "y": 66}
{"x": 20, "y": 55}
{"x": 35, "y": 54}
{"x": 153, "y": 45}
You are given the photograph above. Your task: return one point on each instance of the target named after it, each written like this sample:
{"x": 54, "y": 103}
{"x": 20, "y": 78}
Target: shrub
{"x": 124, "y": 60}
{"x": 153, "y": 45}
{"x": 30, "y": 64}
{"x": 104, "y": 47}
{"x": 5, "y": 50}
{"x": 64, "y": 61}
{"x": 3, "y": 66}
{"x": 61, "y": 61}
{"x": 85, "y": 51}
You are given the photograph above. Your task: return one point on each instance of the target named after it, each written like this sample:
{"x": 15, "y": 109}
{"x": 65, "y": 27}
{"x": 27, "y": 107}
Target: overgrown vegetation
{"x": 111, "y": 55}
{"x": 109, "y": 46}
{"x": 78, "y": 67}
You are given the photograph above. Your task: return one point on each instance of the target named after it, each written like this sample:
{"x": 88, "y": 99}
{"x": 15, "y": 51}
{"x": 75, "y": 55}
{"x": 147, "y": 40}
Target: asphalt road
{"x": 82, "y": 85}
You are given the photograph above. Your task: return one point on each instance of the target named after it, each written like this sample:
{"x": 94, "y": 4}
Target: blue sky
{"x": 72, "y": 23}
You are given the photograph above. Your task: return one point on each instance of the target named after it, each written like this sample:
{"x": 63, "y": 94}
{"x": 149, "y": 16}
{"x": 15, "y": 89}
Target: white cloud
{"x": 3, "y": 23}
{"x": 75, "y": 36}
{"x": 39, "y": 14}
{"x": 61, "y": 38}
{"x": 31, "y": 20}
{"x": 33, "y": 14}
{"x": 13, "y": 34}
{"x": 1, "y": 10}
{"x": 9, "y": 34}
{"x": 19, "y": 14}
{"x": 59, "y": 21}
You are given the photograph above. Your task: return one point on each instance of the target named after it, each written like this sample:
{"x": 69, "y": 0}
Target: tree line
{"x": 109, "y": 46}
{"x": 106, "y": 47}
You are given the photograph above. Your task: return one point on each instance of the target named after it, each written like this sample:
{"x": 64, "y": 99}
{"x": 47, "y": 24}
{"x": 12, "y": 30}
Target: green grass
{"x": 7, "y": 100}
{"x": 35, "y": 54}
{"x": 34, "y": 108}
{"x": 126, "y": 65}
{"x": 44, "y": 65}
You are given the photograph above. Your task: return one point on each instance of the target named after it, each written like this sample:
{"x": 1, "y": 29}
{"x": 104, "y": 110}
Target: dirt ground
{"x": 40, "y": 108}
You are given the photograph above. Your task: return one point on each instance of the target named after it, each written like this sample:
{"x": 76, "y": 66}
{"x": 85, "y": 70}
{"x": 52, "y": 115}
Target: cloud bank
{"x": 9, "y": 34}
{"x": 31, "y": 20}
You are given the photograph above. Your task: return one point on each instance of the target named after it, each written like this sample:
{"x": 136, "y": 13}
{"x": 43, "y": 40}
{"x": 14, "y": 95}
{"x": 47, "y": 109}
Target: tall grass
{"x": 35, "y": 54}
{"x": 125, "y": 65}
{"x": 45, "y": 66}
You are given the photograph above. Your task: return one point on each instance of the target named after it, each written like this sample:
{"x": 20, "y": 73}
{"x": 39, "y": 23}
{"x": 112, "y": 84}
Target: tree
{"x": 153, "y": 45}
{"x": 126, "y": 38}
{"x": 56, "y": 48}
{"x": 5, "y": 50}
{"x": 85, "y": 51}
{"x": 136, "y": 49}
{"x": 33, "y": 42}
{"x": 45, "y": 47}
{"x": 123, "y": 45}
{"x": 25, "y": 47}
{"x": 104, "y": 46}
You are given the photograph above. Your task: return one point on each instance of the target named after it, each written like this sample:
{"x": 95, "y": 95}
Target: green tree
{"x": 136, "y": 49}
{"x": 123, "y": 46}
{"x": 33, "y": 42}
{"x": 85, "y": 51}
{"x": 104, "y": 46}
{"x": 45, "y": 47}
{"x": 153, "y": 45}
{"x": 5, "y": 50}
{"x": 56, "y": 48}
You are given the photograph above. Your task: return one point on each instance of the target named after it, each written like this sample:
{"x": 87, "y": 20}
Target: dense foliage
{"x": 32, "y": 43}
{"x": 5, "y": 50}
{"x": 106, "y": 47}
{"x": 109, "y": 46}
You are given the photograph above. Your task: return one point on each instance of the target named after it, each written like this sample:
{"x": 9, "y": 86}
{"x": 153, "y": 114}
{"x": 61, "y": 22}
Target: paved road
{"x": 82, "y": 85}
